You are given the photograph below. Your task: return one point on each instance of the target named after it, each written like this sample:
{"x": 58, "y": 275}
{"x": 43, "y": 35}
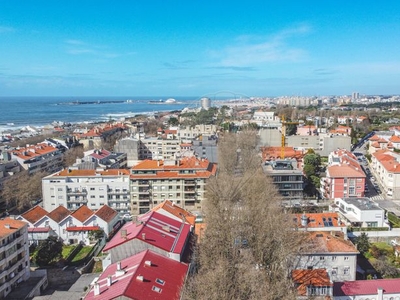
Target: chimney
{"x": 119, "y": 266}
{"x": 109, "y": 281}
{"x": 147, "y": 263}
{"x": 119, "y": 271}
{"x": 7, "y": 226}
{"x": 166, "y": 228}
{"x": 143, "y": 236}
{"x": 123, "y": 233}
{"x": 140, "y": 278}
{"x": 380, "y": 293}
{"x": 96, "y": 289}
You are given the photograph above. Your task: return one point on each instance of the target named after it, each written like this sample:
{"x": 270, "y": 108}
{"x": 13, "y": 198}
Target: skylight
{"x": 160, "y": 281}
{"x": 156, "y": 289}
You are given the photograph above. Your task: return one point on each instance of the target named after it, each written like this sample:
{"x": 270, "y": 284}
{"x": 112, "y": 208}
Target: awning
{"x": 83, "y": 228}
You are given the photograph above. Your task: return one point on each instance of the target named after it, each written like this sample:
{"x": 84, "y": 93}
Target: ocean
{"x": 18, "y": 112}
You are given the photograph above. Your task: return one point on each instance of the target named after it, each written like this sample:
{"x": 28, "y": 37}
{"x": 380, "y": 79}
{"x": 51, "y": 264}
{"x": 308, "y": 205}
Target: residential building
{"x": 14, "y": 255}
{"x": 344, "y": 176}
{"x": 146, "y": 275}
{"x": 101, "y": 158}
{"x": 181, "y": 181}
{"x": 153, "y": 231}
{"x": 287, "y": 177}
{"x": 192, "y": 132}
{"x": 159, "y": 148}
{"x": 97, "y": 136}
{"x": 385, "y": 165}
{"x": 266, "y": 119}
{"x": 173, "y": 211}
{"x": 378, "y": 289}
{"x": 360, "y": 212}
{"x": 312, "y": 283}
{"x": 74, "y": 188}
{"x": 8, "y": 168}
{"x": 330, "y": 251}
{"x": 326, "y": 221}
{"x": 38, "y": 158}
{"x": 38, "y": 224}
{"x": 70, "y": 227}
{"x": 131, "y": 146}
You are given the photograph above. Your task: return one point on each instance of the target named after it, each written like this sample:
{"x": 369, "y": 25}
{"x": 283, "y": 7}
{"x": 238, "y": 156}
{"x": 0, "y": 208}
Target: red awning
{"x": 38, "y": 229}
{"x": 83, "y": 228}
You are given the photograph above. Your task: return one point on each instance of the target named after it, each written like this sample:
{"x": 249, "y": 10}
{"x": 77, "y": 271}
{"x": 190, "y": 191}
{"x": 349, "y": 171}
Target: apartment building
{"x": 287, "y": 177}
{"x": 101, "y": 158}
{"x": 159, "y": 148}
{"x": 344, "y": 176}
{"x": 330, "y": 251}
{"x": 182, "y": 181}
{"x": 14, "y": 255}
{"x": 38, "y": 158}
{"x": 386, "y": 167}
{"x": 193, "y": 132}
{"x": 360, "y": 212}
{"x": 74, "y": 188}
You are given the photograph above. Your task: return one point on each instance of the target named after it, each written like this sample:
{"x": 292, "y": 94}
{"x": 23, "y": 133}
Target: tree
{"x": 362, "y": 243}
{"x": 71, "y": 155}
{"x": 48, "y": 251}
{"x": 173, "y": 121}
{"x": 247, "y": 240}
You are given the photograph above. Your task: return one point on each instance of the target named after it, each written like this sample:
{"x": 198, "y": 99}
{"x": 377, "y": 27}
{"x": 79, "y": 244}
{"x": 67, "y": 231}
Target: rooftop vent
{"x": 96, "y": 289}
{"x": 109, "y": 280}
{"x": 140, "y": 278}
{"x": 147, "y": 263}
{"x": 123, "y": 233}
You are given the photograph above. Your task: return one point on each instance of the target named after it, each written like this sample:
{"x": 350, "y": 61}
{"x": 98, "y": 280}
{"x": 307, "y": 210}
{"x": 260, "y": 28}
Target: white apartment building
{"x": 330, "y": 251}
{"x": 360, "y": 212}
{"x": 386, "y": 167}
{"x": 14, "y": 255}
{"x": 266, "y": 119}
{"x": 190, "y": 133}
{"x": 74, "y": 188}
{"x": 159, "y": 148}
{"x": 39, "y": 157}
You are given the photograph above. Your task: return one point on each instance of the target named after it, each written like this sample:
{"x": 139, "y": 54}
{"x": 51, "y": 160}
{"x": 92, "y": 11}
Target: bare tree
{"x": 248, "y": 246}
{"x": 71, "y": 155}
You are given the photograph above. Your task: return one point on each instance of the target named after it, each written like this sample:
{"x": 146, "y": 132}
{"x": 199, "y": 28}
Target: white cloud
{"x": 5, "y": 29}
{"x": 251, "y": 51}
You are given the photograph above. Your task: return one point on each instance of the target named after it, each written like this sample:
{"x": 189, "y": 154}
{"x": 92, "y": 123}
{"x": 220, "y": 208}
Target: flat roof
{"x": 362, "y": 203}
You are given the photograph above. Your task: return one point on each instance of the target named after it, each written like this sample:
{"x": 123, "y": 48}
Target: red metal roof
{"x": 146, "y": 275}
{"x": 366, "y": 287}
{"x": 155, "y": 229}
{"x": 83, "y": 228}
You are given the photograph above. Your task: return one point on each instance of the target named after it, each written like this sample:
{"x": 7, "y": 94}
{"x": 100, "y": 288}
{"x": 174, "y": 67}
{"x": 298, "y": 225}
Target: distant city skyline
{"x": 180, "y": 48}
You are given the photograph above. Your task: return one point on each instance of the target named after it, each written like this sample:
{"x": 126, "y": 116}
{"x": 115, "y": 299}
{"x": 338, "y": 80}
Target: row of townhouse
{"x": 139, "y": 259}
{"x": 344, "y": 176}
{"x": 71, "y": 227}
{"x": 136, "y": 191}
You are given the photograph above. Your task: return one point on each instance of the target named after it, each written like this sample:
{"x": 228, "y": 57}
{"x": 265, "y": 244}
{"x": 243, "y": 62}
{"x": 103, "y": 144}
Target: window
{"x": 346, "y": 270}
{"x": 346, "y": 258}
{"x": 156, "y": 289}
{"x": 334, "y": 271}
{"x": 322, "y": 258}
{"x": 59, "y": 189}
{"x": 92, "y": 189}
{"x": 334, "y": 258}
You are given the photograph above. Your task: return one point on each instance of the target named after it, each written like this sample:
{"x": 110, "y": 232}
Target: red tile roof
{"x": 83, "y": 228}
{"x": 146, "y": 275}
{"x": 156, "y": 229}
{"x": 59, "y": 214}
{"x": 269, "y": 153}
{"x": 388, "y": 161}
{"x": 33, "y": 151}
{"x": 9, "y": 226}
{"x": 106, "y": 213}
{"x": 374, "y": 138}
{"x": 82, "y": 213}
{"x": 305, "y": 278}
{"x": 395, "y": 139}
{"x": 366, "y": 287}
{"x": 317, "y": 220}
{"x": 109, "y": 172}
{"x": 34, "y": 214}
{"x": 344, "y": 170}
{"x": 175, "y": 210}
{"x": 320, "y": 242}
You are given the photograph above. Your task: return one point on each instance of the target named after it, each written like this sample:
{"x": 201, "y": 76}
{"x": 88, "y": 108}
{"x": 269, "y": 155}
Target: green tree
{"x": 173, "y": 121}
{"x": 48, "y": 251}
{"x": 312, "y": 159}
{"x": 309, "y": 170}
{"x": 362, "y": 243}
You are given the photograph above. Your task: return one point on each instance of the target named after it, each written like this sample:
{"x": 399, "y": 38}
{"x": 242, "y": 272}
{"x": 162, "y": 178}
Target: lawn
{"x": 83, "y": 253}
{"x": 67, "y": 250}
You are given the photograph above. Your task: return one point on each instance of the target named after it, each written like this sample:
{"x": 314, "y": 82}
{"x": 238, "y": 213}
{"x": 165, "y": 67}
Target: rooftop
{"x": 34, "y": 214}
{"x": 320, "y": 242}
{"x": 366, "y": 287}
{"x": 305, "y": 278}
{"x": 317, "y": 220}
{"x": 362, "y": 203}
{"x": 9, "y": 226}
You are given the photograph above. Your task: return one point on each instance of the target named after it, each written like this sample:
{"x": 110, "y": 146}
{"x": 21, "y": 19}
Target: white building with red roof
{"x": 386, "y": 167}
{"x": 154, "y": 231}
{"x": 74, "y": 188}
{"x": 38, "y": 158}
{"x": 146, "y": 275}
{"x": 182, "y": 181}
{"x": 378, "y": 289}
{"x": 344, "y": 176}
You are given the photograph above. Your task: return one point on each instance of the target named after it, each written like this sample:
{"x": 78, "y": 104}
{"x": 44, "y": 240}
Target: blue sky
{"x": 182, "y": 48}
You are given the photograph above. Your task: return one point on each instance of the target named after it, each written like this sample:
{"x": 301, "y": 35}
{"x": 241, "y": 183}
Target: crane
{"x": 283, "y": 136}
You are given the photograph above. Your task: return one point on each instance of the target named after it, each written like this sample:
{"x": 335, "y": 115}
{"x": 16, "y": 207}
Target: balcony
{"x": 189, "y": 189}
{"x": 144, "y": 190}
{"x": 117, "y": 192}
{"x": 76, "y": 192}
{"x": 143, "y": 182}
{"x": 190, "y": 182}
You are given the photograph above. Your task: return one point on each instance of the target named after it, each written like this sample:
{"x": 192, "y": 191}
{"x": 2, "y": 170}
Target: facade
{"x": 266, "y": 119}
{"x": 312, "y": 283}
{"x": 361, "y": 212}
{"x": 158, "y": 148}
{"x": 146, "y": 275}
{"x": 74, "y": 188}
{"x": 191, "y": 133}
{"x": 95, "y": 137}
{"x": 344, "y": 176}
{"x": 181, "y": 181}
{"x": 378, "y": 289}
{"x": 287, "y": 177}
{"x": 330, "y": 251}
{"x": 14, "y": 255}
{"x": 154, "y": 231}
{"x": 70, "y": 227}
{"x": 8, "y": 168}
{"x": 386, "y": 167}
{"x": 101, "y": 158}
{"x": 130, "y": 146}
{"x": 38, "y": 158}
